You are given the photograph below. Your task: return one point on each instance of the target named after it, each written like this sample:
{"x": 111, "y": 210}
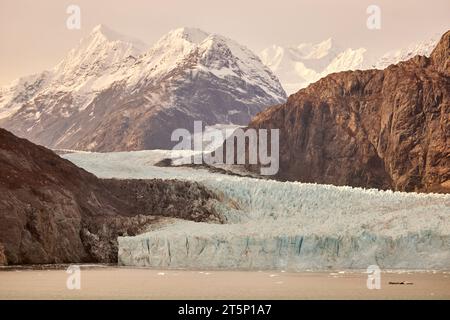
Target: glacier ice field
{"x": 283, "y": 225}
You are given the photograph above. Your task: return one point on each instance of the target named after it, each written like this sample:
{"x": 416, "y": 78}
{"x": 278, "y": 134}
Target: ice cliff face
{"x": 284, "y": 225}
{"x": 281, "y": 252}
{"x": 295, "y": 226}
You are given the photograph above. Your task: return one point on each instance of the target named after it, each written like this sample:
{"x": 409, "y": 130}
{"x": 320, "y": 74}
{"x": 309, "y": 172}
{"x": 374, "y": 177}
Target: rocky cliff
{"x": 53, "y": 212}
{"x": 387, "y": 129}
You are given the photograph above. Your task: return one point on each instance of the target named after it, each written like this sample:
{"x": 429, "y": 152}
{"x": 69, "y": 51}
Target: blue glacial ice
{"x": 284, "y": 225}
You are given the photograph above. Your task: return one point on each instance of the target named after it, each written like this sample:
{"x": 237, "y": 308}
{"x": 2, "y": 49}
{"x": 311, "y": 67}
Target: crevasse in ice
{"x": 295, "y": 226}
{"x": 285, "y": 225}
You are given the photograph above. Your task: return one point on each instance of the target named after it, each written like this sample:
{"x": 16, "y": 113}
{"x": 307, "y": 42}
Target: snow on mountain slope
{"x": 202, "y": 52}
{"x": 348, "y": 59}
{"x": 166, "y": 54}
{"x": 423, "y": 48}
{"x": 20, "y": 91}
{"x": 284, "y": 225}
{"x": 242, "y": 64}
{"x": 108, "y": 94}
{"x": 102, "y": 52}
{"x": 313, "y": 56}
{"x": 84, "y": 71}
{"x": 298, "y": 66}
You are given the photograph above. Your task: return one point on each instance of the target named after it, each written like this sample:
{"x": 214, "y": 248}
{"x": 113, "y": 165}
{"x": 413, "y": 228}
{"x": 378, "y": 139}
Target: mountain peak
{"x": 106, "y": 33}
{"x": 315, "y": 51}
{"x": 95, "y": 53}
{"x": 193, "y": 35}
{"x": 327, "y": 43}
{"x": 188, "y": 74}
{"x": 101, "y": 28}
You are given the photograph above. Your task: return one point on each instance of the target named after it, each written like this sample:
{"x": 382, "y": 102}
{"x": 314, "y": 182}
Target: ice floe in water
{"x": 285, "y": 225}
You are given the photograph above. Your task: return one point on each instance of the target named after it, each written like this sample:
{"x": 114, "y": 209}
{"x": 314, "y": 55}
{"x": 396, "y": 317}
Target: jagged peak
{"x": 327, "y": 43}
{"x": 193, "y": 35}
{"x": 182, "y": 41}
{"x": 103, "y": 29}
{"x": 301, "y": 51}
{"x": 106, "y": 33}
{"x": 101, "y": 48}
{"x": 315, "y": 50}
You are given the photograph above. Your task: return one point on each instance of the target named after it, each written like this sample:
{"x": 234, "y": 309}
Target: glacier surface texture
{"x": 284, "y": 225}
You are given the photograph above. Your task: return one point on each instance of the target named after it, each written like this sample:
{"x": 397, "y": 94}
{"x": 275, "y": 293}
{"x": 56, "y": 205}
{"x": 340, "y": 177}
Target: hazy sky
{"x": 34, "y": 37}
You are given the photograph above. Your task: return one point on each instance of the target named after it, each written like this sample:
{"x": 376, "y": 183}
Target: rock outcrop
{"x": 387, "y": 129}
{"x": 54, "y": 212}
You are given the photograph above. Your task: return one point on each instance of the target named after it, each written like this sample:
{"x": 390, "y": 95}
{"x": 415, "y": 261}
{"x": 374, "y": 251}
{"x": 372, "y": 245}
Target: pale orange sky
{"x": 34, "y": 37}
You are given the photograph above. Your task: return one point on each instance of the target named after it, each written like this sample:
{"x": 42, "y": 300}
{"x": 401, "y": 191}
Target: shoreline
{"x": 95, "y": 265}
{"x": 110, "y": 282}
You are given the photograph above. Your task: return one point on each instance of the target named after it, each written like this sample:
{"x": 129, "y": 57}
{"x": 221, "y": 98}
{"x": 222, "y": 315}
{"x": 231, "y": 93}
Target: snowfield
{"x": 284, "y": 225}
{"x": 299, "y": 65}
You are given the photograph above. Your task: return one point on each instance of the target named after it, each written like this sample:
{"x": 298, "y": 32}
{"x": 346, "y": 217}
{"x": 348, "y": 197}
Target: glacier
{"x": 283, "y": 225}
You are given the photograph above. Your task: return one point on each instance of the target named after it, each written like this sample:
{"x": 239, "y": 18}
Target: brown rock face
{"x": 3, "y": 260}
{"x": 52, "y": 211}
{"x": 387, "y": 129}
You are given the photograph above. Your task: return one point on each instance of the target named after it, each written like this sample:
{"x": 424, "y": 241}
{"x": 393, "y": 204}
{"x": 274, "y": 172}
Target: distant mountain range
{"x": 115, "y": 93}
{"x": 300, "y": 65}
{"x": 111, "y": 93}
{"x": 386, "y": 129}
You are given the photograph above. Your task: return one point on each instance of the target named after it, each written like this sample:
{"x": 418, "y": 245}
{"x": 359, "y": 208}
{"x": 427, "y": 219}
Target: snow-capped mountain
{"x": 298, "y": 66}
{"x": 81, "y": 72}
{"x": 423, "y": 48}
{"x": 110, "y": 93}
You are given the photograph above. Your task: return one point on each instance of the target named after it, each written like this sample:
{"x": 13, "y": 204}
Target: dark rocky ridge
{"x": 387, "y": 129}
{"x": 54, "y": 212}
